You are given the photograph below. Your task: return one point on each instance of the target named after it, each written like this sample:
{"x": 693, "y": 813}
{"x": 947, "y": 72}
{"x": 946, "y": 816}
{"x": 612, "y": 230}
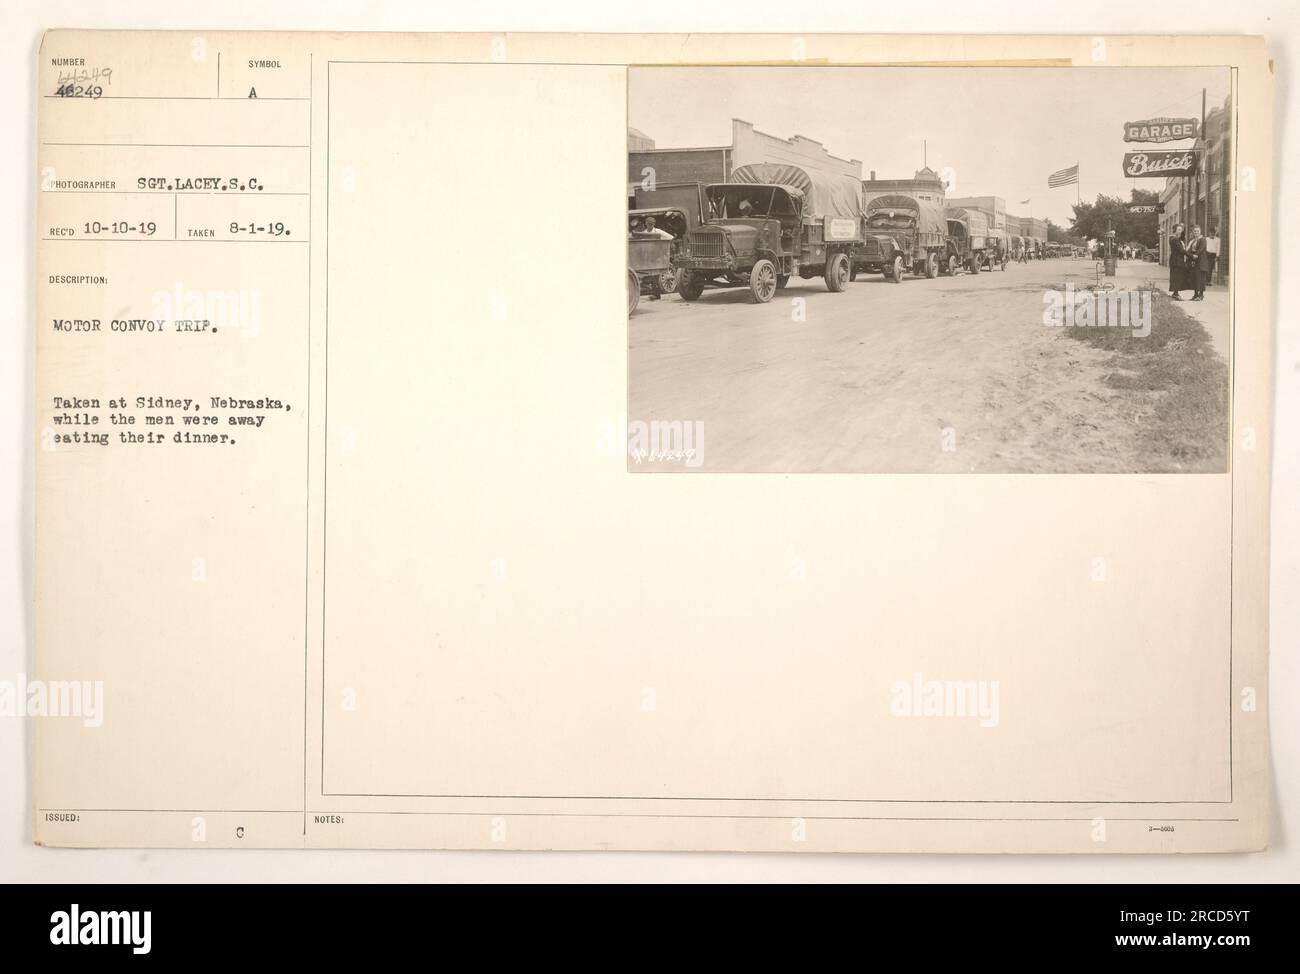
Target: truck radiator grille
{"x": 705, "y": 243}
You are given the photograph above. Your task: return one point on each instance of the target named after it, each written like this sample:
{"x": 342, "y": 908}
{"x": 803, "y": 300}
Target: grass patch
{"x": 1178, "y": 385}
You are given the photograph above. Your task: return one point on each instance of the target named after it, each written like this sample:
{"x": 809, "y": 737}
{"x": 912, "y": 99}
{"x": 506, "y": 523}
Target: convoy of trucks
{"x": 772, "y": 221}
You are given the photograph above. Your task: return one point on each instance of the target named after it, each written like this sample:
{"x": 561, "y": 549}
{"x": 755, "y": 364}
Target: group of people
{"x": 1191, "y": 262}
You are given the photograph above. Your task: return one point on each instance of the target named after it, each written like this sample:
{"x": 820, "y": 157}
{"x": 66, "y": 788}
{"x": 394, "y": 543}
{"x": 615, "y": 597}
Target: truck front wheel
{"x": 690, "y": 285}
{"x": 896, "y": 274}
{"x": 932, "y": 266}
{"x": 762, "y": 281}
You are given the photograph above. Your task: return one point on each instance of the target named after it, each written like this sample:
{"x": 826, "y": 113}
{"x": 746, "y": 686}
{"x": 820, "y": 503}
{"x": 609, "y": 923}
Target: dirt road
{"x": 950, "y": 374}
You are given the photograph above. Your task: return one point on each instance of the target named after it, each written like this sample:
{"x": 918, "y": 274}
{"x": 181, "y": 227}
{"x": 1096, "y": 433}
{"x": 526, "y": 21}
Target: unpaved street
{"x": 874, "y": 376}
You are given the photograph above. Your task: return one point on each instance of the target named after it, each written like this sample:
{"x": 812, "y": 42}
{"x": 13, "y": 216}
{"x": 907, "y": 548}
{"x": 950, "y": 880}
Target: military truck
{"x": 968, "y": 239}
{"x": 902, "y": 234}
{"x": 769, "y": 223}
{"x": 997, "y": 252}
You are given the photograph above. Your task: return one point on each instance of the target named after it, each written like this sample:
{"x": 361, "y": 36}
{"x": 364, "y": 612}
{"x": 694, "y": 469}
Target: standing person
{"x": 1177, "y": 263}
{"x": 1212, "y": 253}
{"x": 1198, "y": 264}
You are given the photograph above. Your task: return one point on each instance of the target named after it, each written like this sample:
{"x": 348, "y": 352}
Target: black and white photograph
{"x": 354, "y": 349}
{"x": 929, "y": 270}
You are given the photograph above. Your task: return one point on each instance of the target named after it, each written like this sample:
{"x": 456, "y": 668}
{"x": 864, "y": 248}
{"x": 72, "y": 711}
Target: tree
{"x": 1060, "y": 235}
{"x": 1092, "y": 220}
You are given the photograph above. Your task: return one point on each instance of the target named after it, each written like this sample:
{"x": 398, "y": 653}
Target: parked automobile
{"x": 683, "y": 208}
{"x": 670, "y": 223}
{"x": 768, "y": 223}
{"x": 649, "y": 255}
{"x": 902, "y": 234}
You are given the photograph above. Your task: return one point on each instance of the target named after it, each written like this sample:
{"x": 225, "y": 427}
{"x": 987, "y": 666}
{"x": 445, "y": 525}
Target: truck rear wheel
{"x": 762, "y": 281}
{"x": 633, "y": 291}
{"x": 975, "y": 264}
{"x": 837, "y": 272}
{"x": 932, "y": 266}
{"x": 690, "y": 285}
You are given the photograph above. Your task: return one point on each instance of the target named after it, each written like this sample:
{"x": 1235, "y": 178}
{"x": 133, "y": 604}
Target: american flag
{"x": 1063, "y": 177}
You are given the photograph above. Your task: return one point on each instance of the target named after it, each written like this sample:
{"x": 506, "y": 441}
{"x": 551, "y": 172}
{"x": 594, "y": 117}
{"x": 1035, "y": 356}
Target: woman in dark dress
{"x": 1177, "y": 263}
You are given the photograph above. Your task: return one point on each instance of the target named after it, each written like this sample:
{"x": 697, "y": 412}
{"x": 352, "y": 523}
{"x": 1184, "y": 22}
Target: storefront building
{"x": 1204, "y": 199}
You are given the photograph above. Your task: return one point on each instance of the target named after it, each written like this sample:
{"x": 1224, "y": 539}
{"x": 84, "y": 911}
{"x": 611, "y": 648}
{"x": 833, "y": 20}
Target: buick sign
{"x": 1167, "y": 163}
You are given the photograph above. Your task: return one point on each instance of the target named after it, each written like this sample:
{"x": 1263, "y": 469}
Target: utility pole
{"x": 1204, "y": 181}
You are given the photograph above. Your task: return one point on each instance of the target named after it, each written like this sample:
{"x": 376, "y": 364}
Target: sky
{"x": 1002, "y": 130}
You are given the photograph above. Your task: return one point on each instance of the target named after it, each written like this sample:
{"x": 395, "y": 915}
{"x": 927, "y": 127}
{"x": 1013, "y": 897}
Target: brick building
{"x": 706, "y": 164}
{"x": 714, "y": 164}
{"x": 749, "y": 145}
{"x": 925, "y": 184}
{"x": 1204, "y": 198}
{"x": 1032, "y": 227}
{"x": 994, "y": 207}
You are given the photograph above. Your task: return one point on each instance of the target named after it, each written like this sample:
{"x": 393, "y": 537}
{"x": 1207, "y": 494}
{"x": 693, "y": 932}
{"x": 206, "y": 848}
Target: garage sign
{"x": 1161, "y": 130}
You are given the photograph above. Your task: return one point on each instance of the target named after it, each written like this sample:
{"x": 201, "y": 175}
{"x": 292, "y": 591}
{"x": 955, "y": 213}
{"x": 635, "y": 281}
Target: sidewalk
{"x": 1212, "y": 313}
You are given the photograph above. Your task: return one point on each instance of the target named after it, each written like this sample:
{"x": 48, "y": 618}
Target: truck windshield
{"x": 740, "y": 202}
{"x": 885, "y": 220}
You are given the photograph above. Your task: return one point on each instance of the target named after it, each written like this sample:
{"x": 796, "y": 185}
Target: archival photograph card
{"x": 355, "y": 352}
